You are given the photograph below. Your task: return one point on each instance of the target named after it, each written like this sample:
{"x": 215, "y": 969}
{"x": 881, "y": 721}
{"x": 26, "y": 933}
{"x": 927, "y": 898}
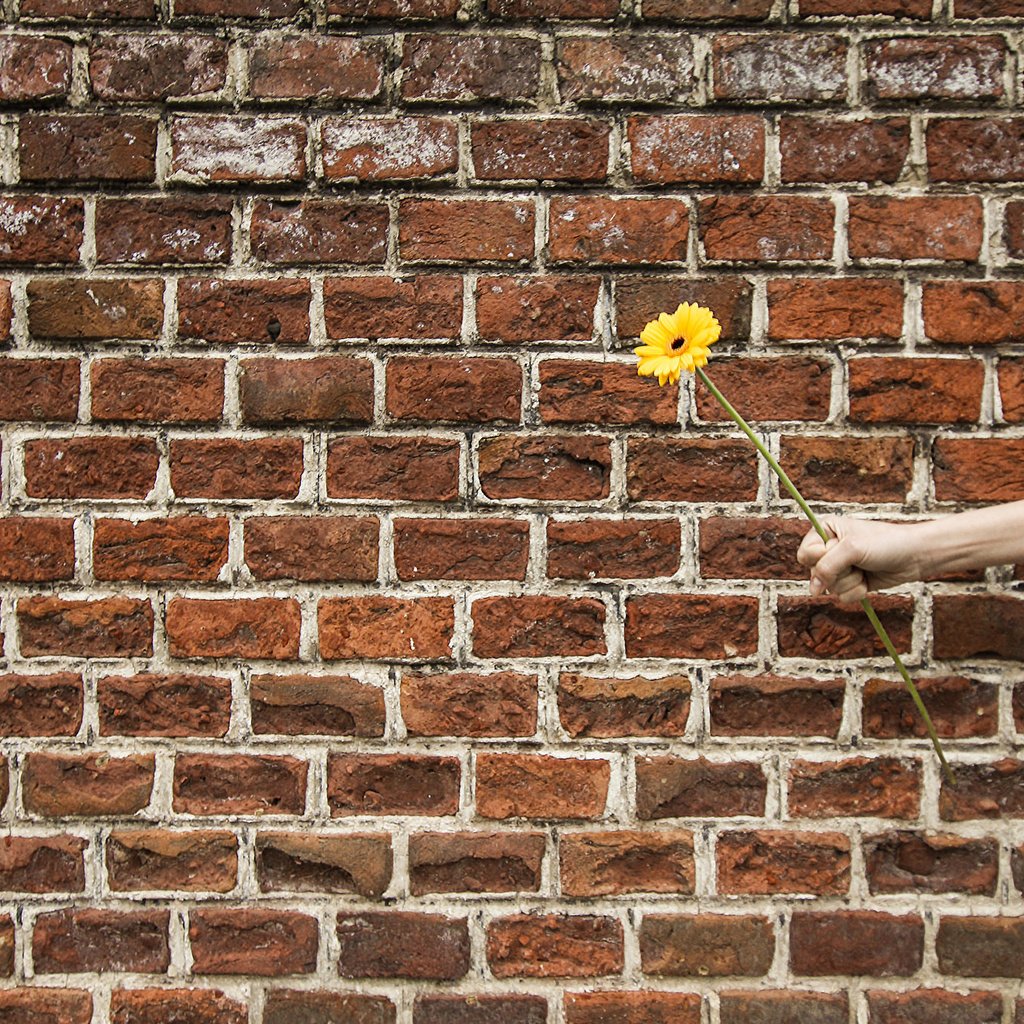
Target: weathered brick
{"x": 42, "y": 865}
{"x": 767, "y": 862}
{"x": 673, "y": 787}
{"x": 143, "y": 860}
{"x": 43, "y": 705}
{"x": 284, "y": 1006}
{"x": 747, "y": 548}
{"x": 227, "y": 468}
{"x": 496, "y": 862}
{"x": 980, "y": 150}
{"x": 787, "y": 388}
{"x": 293, "y": 862}
{"x": 316, "y": 705}
{"x": 386, "y": 307}
{"x": 325, "y": 389}
{"x": 130, "y": 390}
{"x": 555, "y": 946}
{"x": 176, "y": 704}
{"x": 237, "y": 8}
{"x": 555, "y": 149}
{"x": 982, "y": 469}
{"x": 34, "y": 69}
{"x": 107, "y": 627}
{"x": 480, "y": 390}
{"x": 809, "y": 628}
{"x": 973, "y": 312}
{"x": 667, "y": 626}
{"x": 879, "y": 787}
{"x": 768, "y": 1007}
{"x": 697, "y": 149}
{"x": 706, "y": 945}
{"x": 690, "y": 470}
{"x": 977, "y": 625}
{"x": 469, "y": 704}
{"x": 313, "y": 231}
{"x": 174, "y": 230}
{"x": 91, "y": 939}
{"x": 389, "y": 148}
{"x": 261, "y": 942}
{"x": 72, "y": 309}
{"x": 943, "y": 68}
{"x": 613, "y": 863}
{"x": 959, "y": 707}
{"x": 45, "y": 390}
{"x": 990, "y": 790}
{"x": 878, "y": 8}
{"x": 6, "y": 310}
{"x": 87, "y": 148}
{"x": 911, "y": 390}
{"x": 980, "y": 947}
{"x": 563, "y": 468}
{"x": 1011, "y": 389}
{"x": 230, "y": 312}
{"x": 40, "y": 229}
{"x": 45, "y": 1005}
{"x": 855, "y": 942}
{"x": 591, "y": 706}
{"x": 393, "y": 784}
{"x": 147, "y": 66}
{"x": 62, "y": 785}
{"x": 160, "y": 550}
{"x": 143, "y": 10}
{"x": 538, "y": 626}
{"x": 36, "y": 550}
{"x": 779, "y": 67}
{"x": 552, "y": 8}
{"x": 578, "y": 392}
{"x": 7, "y": 950}
{"x": 926, "y": 862}
{"x": 239, "y": 784}
{"x": 401, "y": 944}
{"x": 259, "y": 627}
{"x": 601, "y": 230}
{"x": 926, "y": 1005}
{"x": 770, "y": 705}
{"x": 158, "y": 1005}
{"x": 310, "y": 67}
{"x": 541, "y": 786}
{"x": 417, "y": 628}
{"x": 616, "y": 549}
{"x": 472, "y": 1009}
{"x": 632, "y": 1007}
{"x": 216, "y": 149}
{"x": 625, "y": 68}
{"x": 854, "y": 469}
{"x": 383, "y": 468}
{"x": 915, "y": 228}
{"x": 987, "y": 8}
{"x": 830, "y": 309}
{"x": 766, "y": 228}
{"x": 833, "y": 150}
{"x": 490, "y": 230}
{"x": 461, "y": 549}
{"x": 312, "y": 549}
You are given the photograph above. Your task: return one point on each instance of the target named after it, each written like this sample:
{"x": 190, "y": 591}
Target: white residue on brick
{"x": 391, "y": 143}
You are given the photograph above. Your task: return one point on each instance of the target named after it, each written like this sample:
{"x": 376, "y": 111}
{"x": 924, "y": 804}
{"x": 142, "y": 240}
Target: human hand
{"x": 861, "y": 555}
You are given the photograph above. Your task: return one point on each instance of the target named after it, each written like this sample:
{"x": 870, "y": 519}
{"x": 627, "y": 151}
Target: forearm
{"x": 970, "y": 540}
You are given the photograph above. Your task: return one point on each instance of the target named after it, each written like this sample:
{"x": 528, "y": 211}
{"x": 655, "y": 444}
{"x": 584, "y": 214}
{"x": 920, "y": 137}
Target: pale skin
{"x": 865, "y": 555}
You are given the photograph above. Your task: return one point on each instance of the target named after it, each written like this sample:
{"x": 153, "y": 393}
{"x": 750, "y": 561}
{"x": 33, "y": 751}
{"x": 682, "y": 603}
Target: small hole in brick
{"x": 274, "y": 329}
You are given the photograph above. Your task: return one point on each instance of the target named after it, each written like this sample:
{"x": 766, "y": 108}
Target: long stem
{"x": 869, "y": 610}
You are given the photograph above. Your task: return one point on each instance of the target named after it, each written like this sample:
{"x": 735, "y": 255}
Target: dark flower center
{"x": 678, "y": 344}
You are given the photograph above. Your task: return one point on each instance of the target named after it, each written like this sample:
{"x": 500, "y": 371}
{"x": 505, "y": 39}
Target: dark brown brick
{"x": 239, "y": 784}
{"x": 926, "y": 862}
{"x": 591, "y": 706}
{"x": 315, "y": 231}
{"x": 555, "y": 946}
{"x": 316, "y": 705}
{"x": 176, "y": 230}
{"x": 43, "y": 705}
{"x": 401, "y": 944}
{"x": 91, "y": 939}
{"x": 262, "y": 942}
{"x": 706, "y": 945}
{"x": 475, "y": 862}
{"x": 856, "y": 942}
{"x": 177, "y": 704}
{"x": 767, "y": 705}
{"x": 42, "y": 865}
{"x": 293, "y": 862}
{"x": 107, "y": 627}
{"x": 672, "y": 787}
{"x": 141, "y": 860}
{"x": 393, "y": 784}
{"x": 87, "y": 148}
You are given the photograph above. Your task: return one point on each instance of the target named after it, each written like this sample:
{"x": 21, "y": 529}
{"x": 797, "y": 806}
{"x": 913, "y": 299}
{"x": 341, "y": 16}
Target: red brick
{"x": 425, "y": 389}
{"x": 600, "y": 230}
{"x": 828, "y": 149}
{"x": 768, "y": 862}
{"x": 540, "y": 626}
{"x": 775, "y": 706}
{"x": 983, "y": 150}
{"x": 625, "y": 68}
{"x": 959, "y": 708}
{"x": 916, "y": 862}
{"x": 592, "y": 706}
{"x": 313, "y": 231}
{"x": 237, "y": 8}
{"x": 239, "y": 784}
{"x": 389, "y": 148}
{"x": 401, "y": 944}
{"x": 674, "y": 787}
{"x": 230, "y": 312}
{"x": 45, "y": 1005}
{"x": 7, "y": 950}
{"x": 552, "y": 8}
{"x": 854, "y": 469}
{"x": 548, "y": 307}
{"x": 266, "y": 943}
{"x": 984, "y": 791}
{"x": 877, "y": 8}
{"x": 766, "y": 228}
{"x": 563, "y": 468}
{"x": 811, "y": 628}
{"x": 41, "y": 389}
{"x": 164, "y": 705}
{"x": 706, "y": 945}
{"x": 747, "y": 548}
{"x": 467, "y": 69}
{"x": 87, "y": 147}
{"x": 36, "y": 550}
{"x": 978, "y": 469}
{"x": 136, "y": 66}
{"x": 474, "y": 1009}
{"x": 107, "y": 627}
{"x": 830, "y": 309}
{"x": 40, "y": 229}
{"x": 285, "y": 1006}
{"x": 316, "y": 705}
{"x": 160, "y": 1005}
{"x": 465, "y": 229}
{"x": 707, "y": 10}
{"x": 326, "y": 389}
{"x": 786, "y": 388}
{"x": 973, "y": 312}
{"x": 130, "y": 390}
{"x": 1011, "y": 389}
{"x": 259, "y": 627}
{"x": 980, "y": 947}
{"x": 309, "y": 67}
{"x": 43, "y": 705}
{"x": 541, "y": 786}
{"x": 779, "y": 67}
{"x": 379, "y": 627}
{"x": 174, "y": 230}
{"x": 312, "y": 549}
{"x": 910, "y": 390}
{"x": 880, "y": 787}
{"x": 6, "y": 310}
{"x": 34, "y": 69}
{"x": 215, "y": 149}
{"x": 856, "y": 942}
{"x": 475, "y": 862}
{"x": 62, "y": 785}
{"x": 393, "y": 784}
{"x": 293, "y": 862}
{"x": 66, "y": 309}
{"x": 926, "y": 1006}
{"x": 385, "y": 307}
{"x": 42, "y": 865}
{"x": 464, "y": 549}
{"x": 159, "y": 550}
{"x": 555, "y": 946}
{"x": 769, "y": 1007}
{"x": 555, "y": 149}
{"x": 574, "y": 391}
{"x": 469, "y": 704}
{"x": 957, "y": 68}
{"x": 143, "y": 860}
{"x": 143, "y": 10}
{"x": 988, "y": 8}
{"x": 615, "y": 863}
{"x": 90, "y": 939}
{"x": 915, "y": 228}
{"x": 670, "y": 626}
{"x": 613, "y": 549}
{"x": 393, "y": 468}
{"x": 697, "y": 149}
{"x": 229, "y": 468}
{"x": 632, "y": 1007}
{"x": 691, "y": 470}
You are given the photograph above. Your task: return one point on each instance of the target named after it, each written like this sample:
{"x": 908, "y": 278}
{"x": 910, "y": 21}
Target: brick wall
{"x": 377, "y": 646}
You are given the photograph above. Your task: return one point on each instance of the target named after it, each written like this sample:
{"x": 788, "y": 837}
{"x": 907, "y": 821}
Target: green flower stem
{"x": 825, "y": 536}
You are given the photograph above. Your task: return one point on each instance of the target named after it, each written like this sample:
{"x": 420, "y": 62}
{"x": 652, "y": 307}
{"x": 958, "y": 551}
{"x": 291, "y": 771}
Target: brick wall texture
{"x": 378, "y": 648}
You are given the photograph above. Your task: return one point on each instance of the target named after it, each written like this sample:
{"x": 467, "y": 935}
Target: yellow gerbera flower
{"x": 677, "y": 341}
